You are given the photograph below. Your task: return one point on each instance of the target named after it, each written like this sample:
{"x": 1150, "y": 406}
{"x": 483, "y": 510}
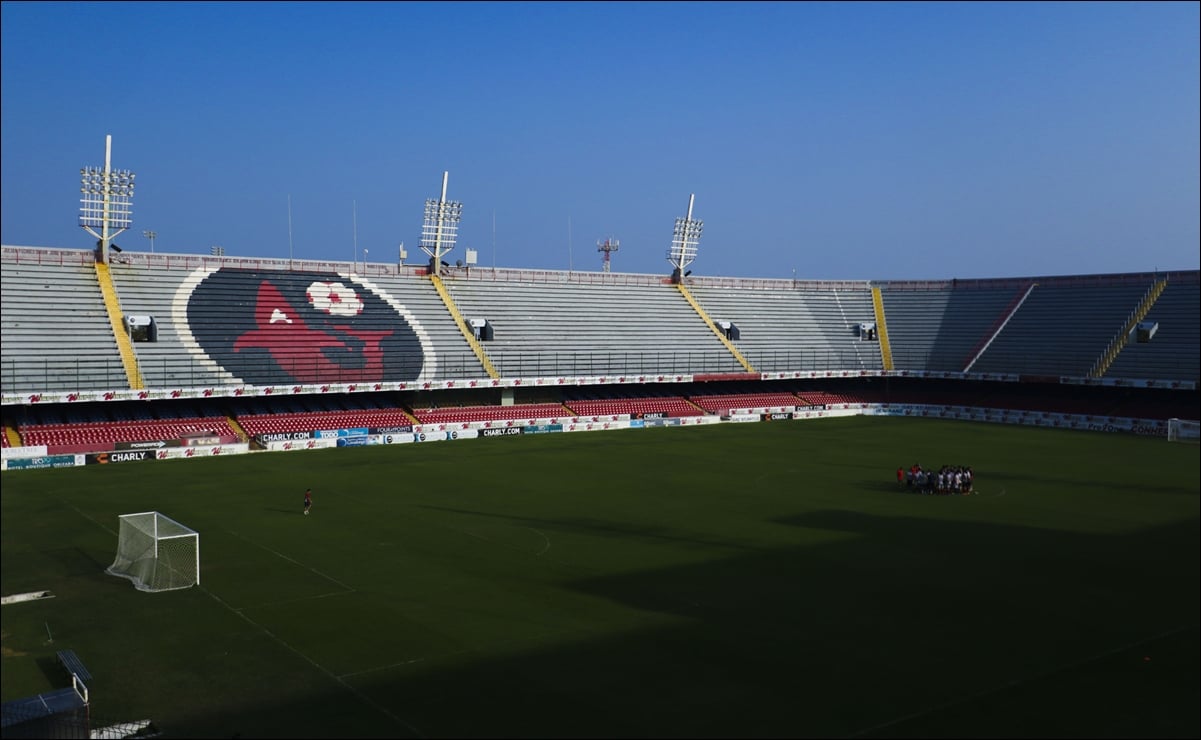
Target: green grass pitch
{"x": 738, "y": 580}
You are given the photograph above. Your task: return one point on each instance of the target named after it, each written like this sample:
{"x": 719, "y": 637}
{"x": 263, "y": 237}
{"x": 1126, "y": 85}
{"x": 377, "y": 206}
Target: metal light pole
{"x": 149, "y": 234}
{"x": 686, "y": 236}
{"x": 107, "y": 201}
{"x": 441, "y": 227}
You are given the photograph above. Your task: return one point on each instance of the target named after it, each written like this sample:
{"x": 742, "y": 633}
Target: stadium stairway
{"x": 881, "y": 329}
{"x": 709, "y": 322}
{"x": 11, "y": 435}
{"x": 128, "y": 359}
{"x": 238, "y": 430}
{"x": 462, "y": 324}
{"x": 1119, "y": 342}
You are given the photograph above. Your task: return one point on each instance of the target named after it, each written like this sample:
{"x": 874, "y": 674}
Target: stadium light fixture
{"x": 106, "y": 201}
{"x": 441, "y": 227}
{"x": 150, "y": 234}
{"x": 685, "y": 238}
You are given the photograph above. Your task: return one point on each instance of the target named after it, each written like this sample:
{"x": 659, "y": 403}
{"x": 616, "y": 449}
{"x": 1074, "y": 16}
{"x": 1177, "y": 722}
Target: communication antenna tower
{"x": 608, "y": 246}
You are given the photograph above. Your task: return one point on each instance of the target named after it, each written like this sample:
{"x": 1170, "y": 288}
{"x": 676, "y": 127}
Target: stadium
{"x": 728, "y": 555}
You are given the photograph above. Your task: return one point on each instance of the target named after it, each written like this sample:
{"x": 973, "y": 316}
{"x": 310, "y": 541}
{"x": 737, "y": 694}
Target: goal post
{"x": 156, "y": 553}
{"x": 1183, "y": 429}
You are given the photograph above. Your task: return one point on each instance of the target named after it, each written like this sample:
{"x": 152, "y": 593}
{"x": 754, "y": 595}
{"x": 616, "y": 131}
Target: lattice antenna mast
{"x": 684, "y": 240}
{"x": 609, "y": 246}
{"x": 441, "y": 227}
{"x": 106, "y": 202}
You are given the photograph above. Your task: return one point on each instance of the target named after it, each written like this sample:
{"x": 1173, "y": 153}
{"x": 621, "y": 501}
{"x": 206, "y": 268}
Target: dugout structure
{"x": 156, "y": 553}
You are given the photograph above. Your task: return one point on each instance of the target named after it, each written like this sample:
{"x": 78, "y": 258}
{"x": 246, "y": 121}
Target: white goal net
{"x": 156, "y": 553}
{"x": 1182, "y": 429}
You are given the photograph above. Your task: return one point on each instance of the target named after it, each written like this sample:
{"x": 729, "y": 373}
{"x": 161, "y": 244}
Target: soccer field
{"x": 737, "y": 580}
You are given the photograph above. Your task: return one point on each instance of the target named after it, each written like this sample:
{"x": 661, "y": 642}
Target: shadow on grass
{"x": 1000, "y": 631}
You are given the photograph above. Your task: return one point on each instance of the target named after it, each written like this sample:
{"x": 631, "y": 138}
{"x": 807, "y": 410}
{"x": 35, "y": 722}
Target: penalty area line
{"x": 331, "y": 579}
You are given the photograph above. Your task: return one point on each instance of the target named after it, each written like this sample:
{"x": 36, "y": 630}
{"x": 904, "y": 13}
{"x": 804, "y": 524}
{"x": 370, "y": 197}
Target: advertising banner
{"x": 501, "y": 431}
{"x": 151, "y": 445}
{"x": 283, "y": 436}
{"x": 120, "y": 456}
{"x": 7, "y": 453}
{"x": 45, "y": 461}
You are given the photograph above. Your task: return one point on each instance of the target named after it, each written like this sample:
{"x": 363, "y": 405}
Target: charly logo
{"x": 303, "y": 327}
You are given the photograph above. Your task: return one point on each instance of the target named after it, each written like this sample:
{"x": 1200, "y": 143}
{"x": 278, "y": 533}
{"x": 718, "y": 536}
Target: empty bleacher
{"x": 104, "y": 435}
{"x": 936, "y": 326}
{"x": 723, "y": 403}
{"x": 56, "y": 334}
{"x": 1063, "y": 326}
{"x": 804, "y": 326}
{"x": 198, "y": 329}
{"x": 451, "y": 357}
{"x": 311, "y": 421}
{"x": 513, "y": 412}
{"x": 609, "y": 327}
{"x": 174, "y": 360}
{"x": 668, "y": 405}
{"x": 1172, "y": 352}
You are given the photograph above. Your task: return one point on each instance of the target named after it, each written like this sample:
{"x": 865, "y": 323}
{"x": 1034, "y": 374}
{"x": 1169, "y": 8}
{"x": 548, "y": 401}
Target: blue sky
{"x": 842, "y": 141}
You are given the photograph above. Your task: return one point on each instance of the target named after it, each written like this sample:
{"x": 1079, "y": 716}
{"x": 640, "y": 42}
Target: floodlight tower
{"x": 107, "y": 201}
{"x": 684, "y": 239}
{"x": 441, "y": 227}
{"x": 608, "y": 247}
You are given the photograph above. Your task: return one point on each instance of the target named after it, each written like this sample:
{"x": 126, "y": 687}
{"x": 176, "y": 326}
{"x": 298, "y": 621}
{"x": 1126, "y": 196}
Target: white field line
{"x": 545, "y": 547}
{"x": 314, "y": 571}
{"x": 363, "y": 697}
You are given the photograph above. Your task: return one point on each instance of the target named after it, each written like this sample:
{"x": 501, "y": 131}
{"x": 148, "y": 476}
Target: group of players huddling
{"x": 947, "y": 480}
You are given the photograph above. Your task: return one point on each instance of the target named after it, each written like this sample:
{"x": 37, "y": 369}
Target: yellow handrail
{"x": 1118, "y": 343}
{"x": 882, "y": 329}
{"x": 462, "y": 324}
{"x": 129, "y": 359}
{"x": 709, "y": 322}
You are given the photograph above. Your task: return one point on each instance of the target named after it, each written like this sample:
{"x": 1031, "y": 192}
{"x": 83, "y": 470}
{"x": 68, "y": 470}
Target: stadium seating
{"x": 453, "y": 357}
{"x": 103, "y": 435}
{"x": 795, "y": 326}
{"x": 668, "y": 405}
{"x": 1063, "y": 327}
{"x": 467, "y": 414}
{"x": 724, "y": 403}
{"x": 936, "y": 326}
{"x": 309, "y": 421}
{"x": 1172, "y": 352}
{"x": 603, "y": 328}
{"x": 56, "y": 334}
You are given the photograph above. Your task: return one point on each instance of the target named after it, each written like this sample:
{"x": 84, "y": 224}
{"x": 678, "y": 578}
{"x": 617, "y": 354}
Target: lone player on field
{"x": 308, "y": 500}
